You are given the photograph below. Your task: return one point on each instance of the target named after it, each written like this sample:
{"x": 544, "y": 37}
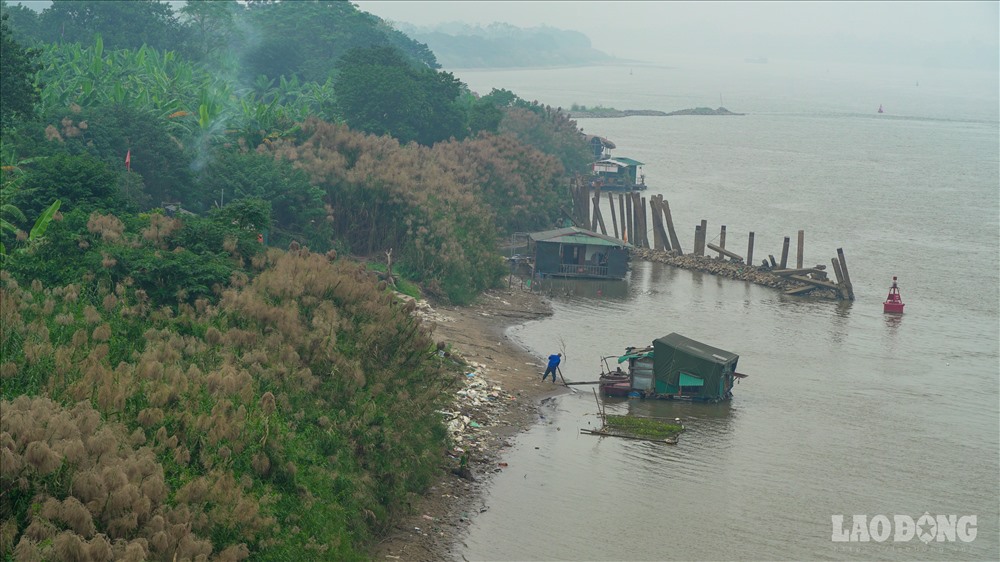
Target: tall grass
{"x": 294, "y": 417}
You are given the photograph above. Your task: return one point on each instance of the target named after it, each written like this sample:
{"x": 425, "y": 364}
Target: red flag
{"x": 128, "y": 160}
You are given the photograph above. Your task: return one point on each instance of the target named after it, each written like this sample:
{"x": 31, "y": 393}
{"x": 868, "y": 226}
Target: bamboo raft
{"x": 607, "y": 431}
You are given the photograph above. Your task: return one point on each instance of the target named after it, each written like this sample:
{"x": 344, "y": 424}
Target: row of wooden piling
{"x": 632, "y": 215}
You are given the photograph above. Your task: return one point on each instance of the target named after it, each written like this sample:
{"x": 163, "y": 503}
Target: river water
{"x": 846, "y": 410}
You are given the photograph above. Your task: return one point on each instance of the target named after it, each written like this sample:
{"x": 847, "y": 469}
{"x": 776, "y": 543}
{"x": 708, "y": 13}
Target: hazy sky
{"x": 936, "y": 33}
{"x": 649, "y": 30}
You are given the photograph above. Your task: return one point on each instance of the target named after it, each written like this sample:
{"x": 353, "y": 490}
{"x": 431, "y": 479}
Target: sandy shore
{"x": 506, "y": 383}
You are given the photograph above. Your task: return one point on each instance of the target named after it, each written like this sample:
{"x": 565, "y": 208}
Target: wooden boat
{"x": 617, "y": 384}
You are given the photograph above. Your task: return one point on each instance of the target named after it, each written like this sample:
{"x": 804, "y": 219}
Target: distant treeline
{"x": 501, "y": 45}
{"x": 195, "y": 360}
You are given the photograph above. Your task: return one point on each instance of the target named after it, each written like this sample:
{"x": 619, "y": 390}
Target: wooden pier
{"x": 636, "y": 223}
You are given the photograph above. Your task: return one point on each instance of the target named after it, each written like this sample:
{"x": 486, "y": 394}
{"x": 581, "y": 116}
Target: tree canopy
{"x": 18, "y": 65}
{"x": 380, "y": 92}
{"x": 123, "y": 25}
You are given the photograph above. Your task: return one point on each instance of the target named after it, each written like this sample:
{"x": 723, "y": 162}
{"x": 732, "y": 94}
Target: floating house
{"x": 674, "y": 367}
{"x": 614, "y": 173}
{"x": 619, "y": 174}
{"x": 575, "y": 252}
{"x": 683, "y": 367}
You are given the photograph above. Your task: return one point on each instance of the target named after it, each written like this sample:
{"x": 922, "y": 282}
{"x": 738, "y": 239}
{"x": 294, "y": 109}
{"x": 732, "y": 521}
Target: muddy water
{"x": 846, "y": 410}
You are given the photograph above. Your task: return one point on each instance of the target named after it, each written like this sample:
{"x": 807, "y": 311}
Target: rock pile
{"x": 726, "y": 268}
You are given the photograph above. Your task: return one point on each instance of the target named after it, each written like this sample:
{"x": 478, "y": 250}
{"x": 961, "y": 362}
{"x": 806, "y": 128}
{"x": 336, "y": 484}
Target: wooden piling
{"x": 621, "y": 214}
{"x": 597, "y": 212}
{"x": 704, "y": 237}
{"x": 839, "y": 274}
{"x": 847, "y": 275}
{"x": 630, "y": 232}
{"x": 722, "y": 241}
{"x": 579, "y": 217}
{"x": 798, "y": 253}
{"x": 654, "y": 212}
{"x": 645, "y": 225}
{"x": 637, "y": 220}
{"x": 697, "y": 238}
{"x": 657, "y": 214}
{"x": 640, "y": 230}
{"x": 784, "y": 253}
{"x": 675, "y": 244}
{"x": 750, "y": 249}
{"x": 614, "y": 218}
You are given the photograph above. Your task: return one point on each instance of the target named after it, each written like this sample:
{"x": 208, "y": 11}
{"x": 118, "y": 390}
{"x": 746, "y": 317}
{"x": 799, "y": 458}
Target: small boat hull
{"x": 615, "y": 385}
{"x": 616, "y": 389}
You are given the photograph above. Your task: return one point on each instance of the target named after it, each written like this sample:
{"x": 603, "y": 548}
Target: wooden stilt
{"x": 645, "y": 227}
{"x": 675, "y": 244}
{"x": 704, "y": 237}
{"x": 614, "y": 218}
{"x": 597, "y": 212}
{"x": 657, "y": 214}
{"x": 621, "y": 213}
{"x": 628, "y": 214}
{"x": 722, "y": 240}
{"x": 839, "y": 274}
{"x": 847, "y": 275}
{"x": 799, "y": 251}
{"x": 750, "y": 249}
{"x": 784, "y": 253}
{"x": 697, "y": 239}
{"x": 654, "y": 211}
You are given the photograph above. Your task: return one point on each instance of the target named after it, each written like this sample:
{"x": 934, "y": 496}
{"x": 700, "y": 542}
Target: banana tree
{"x": 39, "y": 228}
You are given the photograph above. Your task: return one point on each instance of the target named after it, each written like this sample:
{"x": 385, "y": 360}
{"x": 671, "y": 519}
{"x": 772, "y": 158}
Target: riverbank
{"x": 498, "y": 399}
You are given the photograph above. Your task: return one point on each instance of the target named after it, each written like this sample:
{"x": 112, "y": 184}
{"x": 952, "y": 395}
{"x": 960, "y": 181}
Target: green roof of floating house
{"x": 621, "y": 161}
{"x": 635, "y": 355}
{"x": 574, "y": 235}
{"x": 627, "y": 161}
{"x": 679, "y": 360}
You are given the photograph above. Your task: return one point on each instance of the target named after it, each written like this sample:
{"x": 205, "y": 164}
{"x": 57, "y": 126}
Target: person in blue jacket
{"x": 553, "y": 365}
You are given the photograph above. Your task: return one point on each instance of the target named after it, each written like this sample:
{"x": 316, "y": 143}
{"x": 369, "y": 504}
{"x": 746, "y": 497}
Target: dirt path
{"x": 500, "y": 399}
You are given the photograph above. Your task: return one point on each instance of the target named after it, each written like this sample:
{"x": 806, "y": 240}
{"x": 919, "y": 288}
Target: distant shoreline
{"x": 614, "y": 63}
{"x": 611, "y": 113}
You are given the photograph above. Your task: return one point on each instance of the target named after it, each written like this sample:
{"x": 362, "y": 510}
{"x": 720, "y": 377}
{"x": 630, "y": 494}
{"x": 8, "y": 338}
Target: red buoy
{"x": 893, "y": 303}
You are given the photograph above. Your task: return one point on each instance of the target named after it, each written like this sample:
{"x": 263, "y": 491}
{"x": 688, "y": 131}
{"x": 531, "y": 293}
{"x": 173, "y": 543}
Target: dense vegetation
{"x": 194, "y": 360}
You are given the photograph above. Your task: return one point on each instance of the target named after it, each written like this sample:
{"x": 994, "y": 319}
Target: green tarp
{"x": 674, "y": 355}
